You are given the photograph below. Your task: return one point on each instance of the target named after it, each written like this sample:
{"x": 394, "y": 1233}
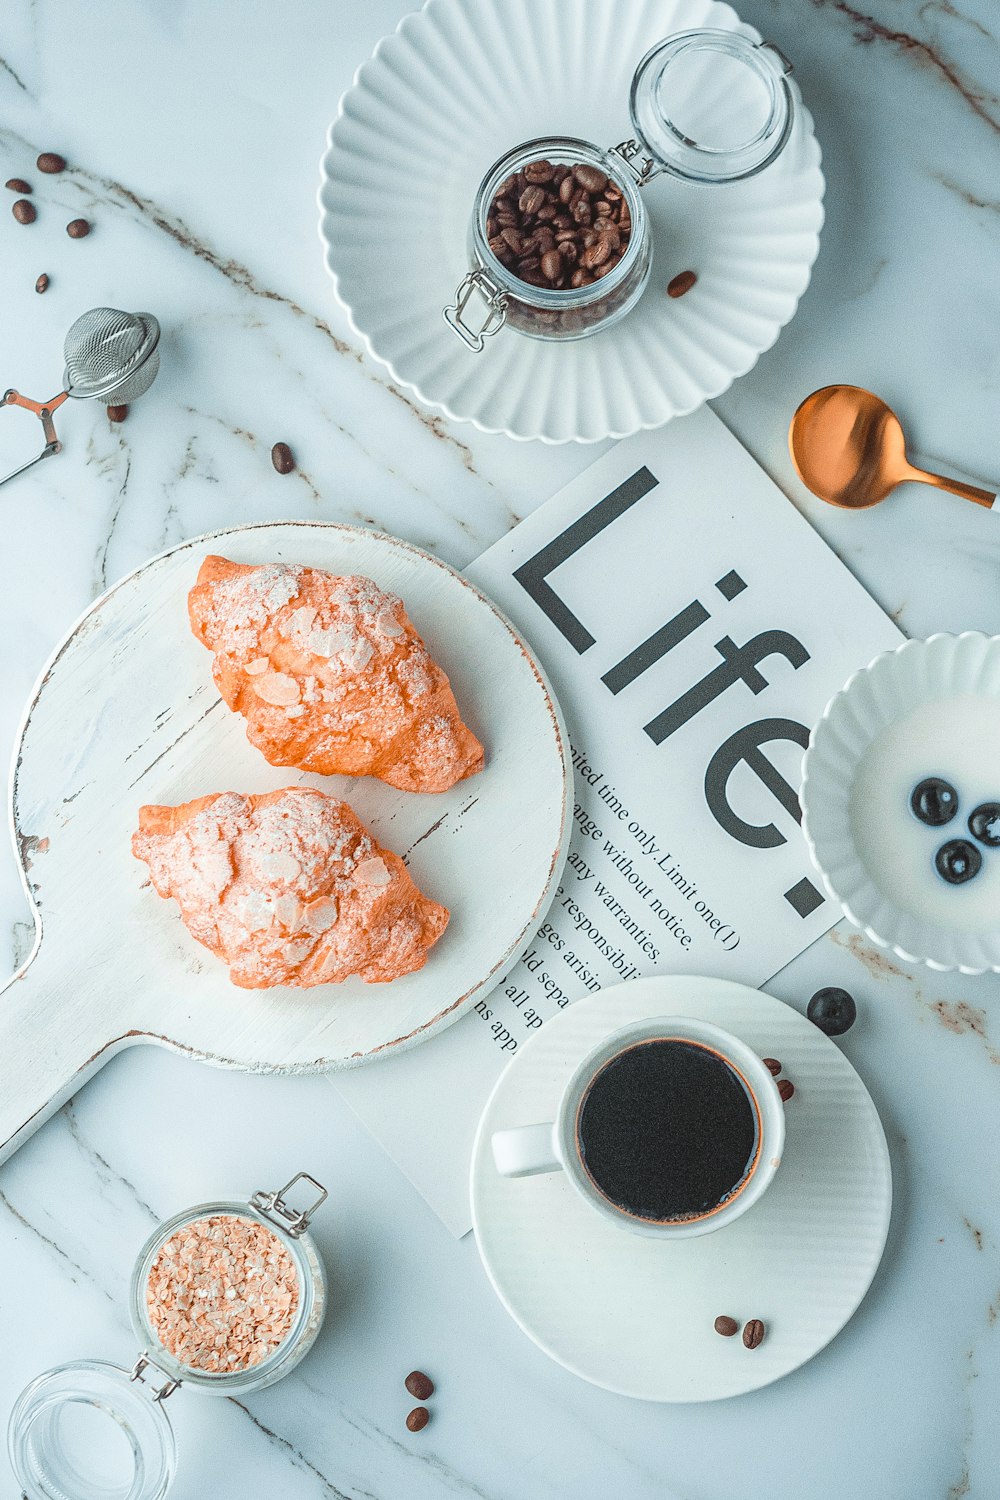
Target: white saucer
{"x": 459, "y": 83}
{"x": 634, "y": 1315}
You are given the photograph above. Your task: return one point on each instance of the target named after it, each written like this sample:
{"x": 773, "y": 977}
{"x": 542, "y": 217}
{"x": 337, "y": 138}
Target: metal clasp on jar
{"x": 160, "y": 1392}
{"x": 293, "y": 1221}
{"x": 496, "y": 309}
{"x": 641, "y": 168}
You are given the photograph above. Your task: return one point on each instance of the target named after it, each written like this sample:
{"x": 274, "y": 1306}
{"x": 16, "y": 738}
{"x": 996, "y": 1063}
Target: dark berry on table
{"x": 957, "y": 861}
{"x": 51, "y": 161}
{"x": 18, "y": 185}
{"x": 726, "y": 1326}
{"x": 984, "y": 824}
{"x": 772, "y": 1065}
{"x": 282, "y": 458}
{"x": 418, "y": 1418}
{"x": 78, "y": 229}
{"x": 42, "y": 284}
{"x": 786, "y": 1089}
{"x": 934, "y": 801}
{"x": 420, "y": 1385}
{"x": 24, "y": 212}
{"x": 833, "y": 1010}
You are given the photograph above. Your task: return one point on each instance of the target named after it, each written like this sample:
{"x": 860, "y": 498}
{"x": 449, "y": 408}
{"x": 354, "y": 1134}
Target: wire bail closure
{"x": 496, "y": 305}
{"x": 292, "y": 1220}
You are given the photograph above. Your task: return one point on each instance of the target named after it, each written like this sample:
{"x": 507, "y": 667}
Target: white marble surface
{"x": 193, "y": 134}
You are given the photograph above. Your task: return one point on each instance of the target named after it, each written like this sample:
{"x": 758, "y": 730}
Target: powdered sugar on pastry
{"x": 288, "y": 888}
{"x": 331, "y": 675}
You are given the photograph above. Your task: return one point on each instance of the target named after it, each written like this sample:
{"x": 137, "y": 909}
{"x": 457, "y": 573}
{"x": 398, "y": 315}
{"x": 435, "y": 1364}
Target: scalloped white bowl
{"x": 454, "y": 87}
{"x": 892, "y": 688}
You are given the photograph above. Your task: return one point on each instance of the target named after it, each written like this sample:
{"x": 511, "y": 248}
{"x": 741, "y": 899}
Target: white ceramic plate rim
{"x": 541, "y": 437}
{"x": 673, "y": 986}
{"x": 448, "y": 1013}
{"x": 808, "y": 799}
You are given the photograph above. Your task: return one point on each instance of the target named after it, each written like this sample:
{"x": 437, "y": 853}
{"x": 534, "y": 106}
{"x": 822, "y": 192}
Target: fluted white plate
{"x": 438, "y": 102}
{"x": 634, "y": 1315}
{"x": 883, "y": 901}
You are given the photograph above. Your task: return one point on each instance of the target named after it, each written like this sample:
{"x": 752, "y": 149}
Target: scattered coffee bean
{"x": 753, "y": 1333}
{"x": 682, "y": 282}
{"x": 772, "y": 1065}
{"x": 42, "y": 284}
{"x": 281, "y": 457}
{"x": 51, "y": 161}
{"x": 833, "y": 1010}
{"x": 418, "y": 1418}
{"x": 726, "y": 1326}
{"x": 24, "y": 212}
{"x": 420, "y": 1385}
{"x": 785, "y": 1089}
{"x": 78, "y": 229}
{"x": 18, "y": 185}
{"x": 117, "y": 413}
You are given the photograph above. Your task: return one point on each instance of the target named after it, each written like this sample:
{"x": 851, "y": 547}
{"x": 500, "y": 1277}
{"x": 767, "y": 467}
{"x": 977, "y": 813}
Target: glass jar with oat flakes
{"x": 559, "y": 240}
{"x": 226, "y": 1297}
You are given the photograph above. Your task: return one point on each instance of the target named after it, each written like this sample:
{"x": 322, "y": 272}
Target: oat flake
{"x": 222, "y": 1294}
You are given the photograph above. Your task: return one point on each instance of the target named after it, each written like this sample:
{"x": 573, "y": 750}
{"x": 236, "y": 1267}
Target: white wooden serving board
{"x": 126, "y": 712}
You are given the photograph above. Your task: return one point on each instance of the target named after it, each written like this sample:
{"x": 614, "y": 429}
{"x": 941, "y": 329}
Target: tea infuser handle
{"x": 525, "y": 1151}
{"x": 43, "y": 411}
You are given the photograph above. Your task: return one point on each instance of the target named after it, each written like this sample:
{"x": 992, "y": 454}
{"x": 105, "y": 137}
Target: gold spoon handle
{"x": 971, "y": 492}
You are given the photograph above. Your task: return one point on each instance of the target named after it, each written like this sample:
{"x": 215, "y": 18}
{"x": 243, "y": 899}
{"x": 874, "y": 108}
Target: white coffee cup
{"x": 530, "y": 1149}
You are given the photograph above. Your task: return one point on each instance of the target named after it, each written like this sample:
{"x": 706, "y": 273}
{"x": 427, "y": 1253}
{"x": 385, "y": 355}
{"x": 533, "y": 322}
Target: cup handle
{"x": 525, "y": 1151}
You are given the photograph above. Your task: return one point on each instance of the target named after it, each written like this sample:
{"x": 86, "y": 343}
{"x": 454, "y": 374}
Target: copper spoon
{"x": 849, "y": 448}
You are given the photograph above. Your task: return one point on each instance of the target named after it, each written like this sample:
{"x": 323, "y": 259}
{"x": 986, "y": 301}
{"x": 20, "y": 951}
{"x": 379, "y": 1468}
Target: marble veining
{"x": 193, "y": 136}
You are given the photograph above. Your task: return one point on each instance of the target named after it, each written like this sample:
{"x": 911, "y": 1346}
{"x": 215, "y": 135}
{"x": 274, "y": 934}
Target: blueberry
{"x": 984, "y": 824}
{"x": 934, "y": 801}
{"x": 832, "y": 1010}
{"x": 957, "y": 861}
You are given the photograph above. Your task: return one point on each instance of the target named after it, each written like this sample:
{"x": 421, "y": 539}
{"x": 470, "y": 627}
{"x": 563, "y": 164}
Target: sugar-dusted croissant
{"x": 330, "y": 675}
{"x": 288, "y": 888}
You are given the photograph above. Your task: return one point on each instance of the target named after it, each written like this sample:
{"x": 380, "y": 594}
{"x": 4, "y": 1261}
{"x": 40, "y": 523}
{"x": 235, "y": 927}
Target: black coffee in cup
{"x": 667, "y": 1130}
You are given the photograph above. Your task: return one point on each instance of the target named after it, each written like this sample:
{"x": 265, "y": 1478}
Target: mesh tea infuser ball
{"x": 111, "y": 356}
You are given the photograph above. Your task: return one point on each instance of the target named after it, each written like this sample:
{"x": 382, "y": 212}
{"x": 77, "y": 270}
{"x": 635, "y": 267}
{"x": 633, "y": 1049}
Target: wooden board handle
{"x": 48, "y": 1047}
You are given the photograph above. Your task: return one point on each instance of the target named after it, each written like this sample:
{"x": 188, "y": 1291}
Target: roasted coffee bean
{"x": 726, "y": 1326}
{"x": 420, "y": 1385}
{"x": 595, "y": 255}
{"x": 42, "y": 284}
{"x": 753, "y": 1333}
{"x": 117, "y": 413}
{"x": 552, "y": 265}
{"x": 772, "y": 1065}
{"x": 785, "y": 1089}
{"x": 281, "y": 457}
{"x": 554, "y": 225}
{"x": 23, "y": 211}
{"x": 51, "y": 161}
{"x": 590, "y": 178}
{"x": 78, "y": 229}
{"x": 18, "y": 185}
{"x": 418, "y": 1418}
{"x": 681, "y": 283}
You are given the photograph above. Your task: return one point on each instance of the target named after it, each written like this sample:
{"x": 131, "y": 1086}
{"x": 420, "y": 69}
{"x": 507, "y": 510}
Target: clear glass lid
{"x": 711, "y": 105}
{"x": 91, "y": 1431}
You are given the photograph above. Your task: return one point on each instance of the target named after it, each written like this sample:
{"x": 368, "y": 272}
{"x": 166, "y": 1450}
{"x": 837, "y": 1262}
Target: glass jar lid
{"x": 710, "y": 106}
{"x": 92, "y": 1431}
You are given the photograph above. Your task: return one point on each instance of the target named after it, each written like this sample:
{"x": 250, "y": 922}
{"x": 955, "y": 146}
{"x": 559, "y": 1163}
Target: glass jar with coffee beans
{"x": 559, "y": 241}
